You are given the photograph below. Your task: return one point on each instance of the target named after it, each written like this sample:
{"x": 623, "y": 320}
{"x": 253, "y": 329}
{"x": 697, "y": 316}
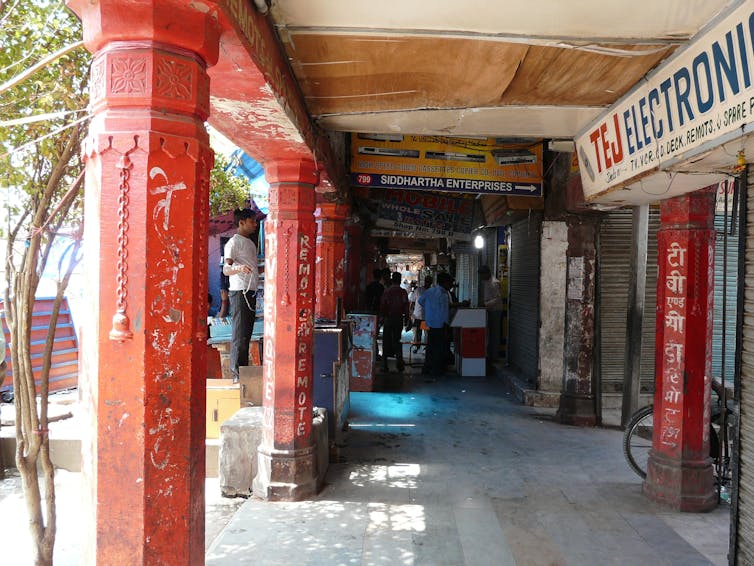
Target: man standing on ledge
{"x": 241, "y": 267}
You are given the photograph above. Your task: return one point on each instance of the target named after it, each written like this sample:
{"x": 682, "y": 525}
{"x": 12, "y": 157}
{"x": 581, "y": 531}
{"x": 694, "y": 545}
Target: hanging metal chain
{"x": 121, "y": 330}
{"x": 286, "y": 291}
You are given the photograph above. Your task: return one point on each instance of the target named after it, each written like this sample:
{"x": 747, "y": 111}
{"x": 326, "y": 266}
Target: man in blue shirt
{"x": 436, "y": 304}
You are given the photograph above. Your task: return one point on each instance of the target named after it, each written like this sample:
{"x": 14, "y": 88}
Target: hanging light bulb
{"x": 479, "y": 242}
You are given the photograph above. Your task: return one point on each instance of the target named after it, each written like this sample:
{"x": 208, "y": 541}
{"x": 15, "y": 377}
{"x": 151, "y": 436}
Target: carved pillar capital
{"x": 191, "y": 26}
{"x": 301, "y": 171}
{"x": 128, "y": 74}
{"x": 336, "y": 211}
{"x": 690, "y": 211}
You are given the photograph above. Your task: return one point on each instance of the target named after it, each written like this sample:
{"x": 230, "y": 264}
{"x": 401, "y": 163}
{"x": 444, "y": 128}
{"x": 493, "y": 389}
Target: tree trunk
{"x": 32, "y": 435}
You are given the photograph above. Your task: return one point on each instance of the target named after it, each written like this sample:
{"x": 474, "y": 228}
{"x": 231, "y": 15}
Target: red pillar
{"x": 148, "y": 162}
{"x": 354, "y": 265}
{"x": 679, "y": 468}
{"x": 287, "y": 460}
{"x": 331, "y": 259}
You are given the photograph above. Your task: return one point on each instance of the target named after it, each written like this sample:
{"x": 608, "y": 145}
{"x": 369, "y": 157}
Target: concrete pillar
{"x": 679, "y": 470}
{"x": 577, "y": 403}
{"x": 331, "y": 258}
{"x": 287, "y": 462}
{"x": 355, "y": 266}
{"x": 552, "y": 310}
{"x": 147, "y": 214}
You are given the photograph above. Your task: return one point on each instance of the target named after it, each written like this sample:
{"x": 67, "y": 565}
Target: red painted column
{"x": 331, "y": 258}
{"x": 143, "y": 352}
{"x": 355, "y": 271}
{"x": 679, "y": 468}
{"x": 287, "y": 460}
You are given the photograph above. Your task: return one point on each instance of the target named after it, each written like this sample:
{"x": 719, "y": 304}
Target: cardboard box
{"x": 250, "y": 379}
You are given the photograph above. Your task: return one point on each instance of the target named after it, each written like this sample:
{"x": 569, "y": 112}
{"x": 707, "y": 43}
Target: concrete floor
{"x": 454, "y": 472}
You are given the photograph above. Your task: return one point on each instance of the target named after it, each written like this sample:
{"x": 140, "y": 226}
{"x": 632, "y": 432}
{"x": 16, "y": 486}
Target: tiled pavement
{"x": 454, "y": 472}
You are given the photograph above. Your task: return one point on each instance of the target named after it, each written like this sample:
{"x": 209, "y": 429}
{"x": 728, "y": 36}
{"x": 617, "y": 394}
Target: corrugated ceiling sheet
{"x": 352, "y": 73}
{"x": 549, "y": 75}
{"x": 346, "y": 73}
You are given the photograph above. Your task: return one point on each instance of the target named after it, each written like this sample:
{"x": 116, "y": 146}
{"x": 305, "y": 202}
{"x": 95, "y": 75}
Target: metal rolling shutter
{"x": 742, "y": 534}
{"x": 463, "y": 276}
{"x": 614, "y": 261}
{"x": 730, "y": 299}
{"x": 523, "y": 323}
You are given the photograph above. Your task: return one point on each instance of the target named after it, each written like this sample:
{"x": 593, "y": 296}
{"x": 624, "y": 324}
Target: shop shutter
{"x": 730, "y": 291}
{"x": 523, "y": 322}
{"x": 615, "y": 242}
{"x": 742, "y": 535}
{"x": 463, "y": 276}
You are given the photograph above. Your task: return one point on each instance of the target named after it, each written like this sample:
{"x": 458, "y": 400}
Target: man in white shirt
{"x": 241, "y": 268}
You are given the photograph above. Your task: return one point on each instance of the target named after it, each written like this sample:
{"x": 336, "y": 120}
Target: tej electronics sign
{"x": 701, "y": 94}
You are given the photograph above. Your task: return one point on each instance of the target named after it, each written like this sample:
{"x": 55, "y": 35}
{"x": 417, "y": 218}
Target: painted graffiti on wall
{"x": 304, "y": 335}
{"x": 167, "y": 304}
{"x": 674, "y": 359}
{"x": 270, "y": 316}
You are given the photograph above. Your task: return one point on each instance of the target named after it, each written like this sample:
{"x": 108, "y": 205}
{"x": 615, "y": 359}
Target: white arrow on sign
{"x": 530, "y": 188}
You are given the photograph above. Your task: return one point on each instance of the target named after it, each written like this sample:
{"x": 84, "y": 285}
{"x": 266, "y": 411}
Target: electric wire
{"x": 44, "y": 137}
{"x": 39, "y": 118}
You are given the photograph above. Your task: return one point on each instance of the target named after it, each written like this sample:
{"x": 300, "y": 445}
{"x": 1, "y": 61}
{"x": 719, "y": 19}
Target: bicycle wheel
{"x": 637, "y": 440}
{"x": 721, "y": 469}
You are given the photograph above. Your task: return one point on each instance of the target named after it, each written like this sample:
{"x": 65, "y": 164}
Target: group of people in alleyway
{"x": 425, "y": 307}
{"x": 429, "y": 307}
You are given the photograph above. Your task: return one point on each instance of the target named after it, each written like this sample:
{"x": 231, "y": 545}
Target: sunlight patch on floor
{"x": 397, "y": 517}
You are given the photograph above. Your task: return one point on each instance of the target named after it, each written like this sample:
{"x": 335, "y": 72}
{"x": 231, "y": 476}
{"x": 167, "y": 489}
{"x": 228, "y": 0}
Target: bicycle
{"x": 637, "y": 442}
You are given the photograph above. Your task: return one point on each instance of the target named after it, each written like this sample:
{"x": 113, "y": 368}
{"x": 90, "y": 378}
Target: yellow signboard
{"x": 446, "y": 163}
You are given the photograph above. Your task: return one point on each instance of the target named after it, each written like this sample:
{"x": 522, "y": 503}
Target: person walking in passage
{"x": 373, "y": 293}
{"x": 241, "y": 268}
{"x": 418, "y": 312}
{"x": 493, "y": 302}
{"x": 394, "y": 310}
{"x": 411, "y": 296}
{"x": 436, "y": 304}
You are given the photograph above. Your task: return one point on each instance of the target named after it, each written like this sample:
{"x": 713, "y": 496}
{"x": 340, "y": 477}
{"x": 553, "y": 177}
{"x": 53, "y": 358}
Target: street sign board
{"x": 477, "y": 165}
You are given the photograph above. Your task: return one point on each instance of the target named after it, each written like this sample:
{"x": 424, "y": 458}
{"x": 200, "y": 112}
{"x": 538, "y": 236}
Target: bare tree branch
{"x": 7, "y": 14}
{"x": 19, "y": 78}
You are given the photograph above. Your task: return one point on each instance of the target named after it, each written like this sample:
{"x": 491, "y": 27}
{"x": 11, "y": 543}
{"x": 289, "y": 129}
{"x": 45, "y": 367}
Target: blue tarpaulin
{"x": 243, "y": 164}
